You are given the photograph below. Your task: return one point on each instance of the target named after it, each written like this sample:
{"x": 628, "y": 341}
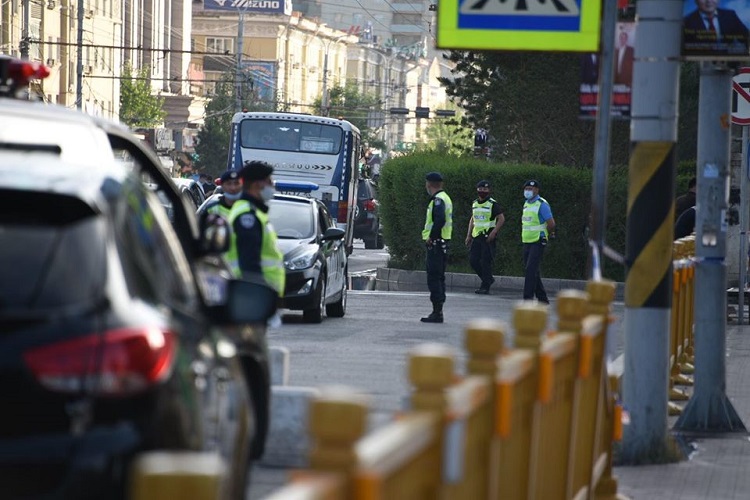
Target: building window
{"x": 414, "y": 19}
{"x": 220, "y": 45}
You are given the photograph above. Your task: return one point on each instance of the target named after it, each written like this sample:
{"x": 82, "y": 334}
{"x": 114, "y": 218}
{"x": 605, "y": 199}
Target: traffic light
{"x": 422, "y": 112}
{"x": 445, "y": 112}
{"x": 399, "y": 111}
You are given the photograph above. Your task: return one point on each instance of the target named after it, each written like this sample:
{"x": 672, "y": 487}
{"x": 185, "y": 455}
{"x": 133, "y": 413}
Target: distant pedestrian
{"x": 685, "y": 201}
{"x": 437, "y": 232}
{"x": 486, "y": 220}
{"x": 537, "y": 228}
{"x": 231, "y": 192}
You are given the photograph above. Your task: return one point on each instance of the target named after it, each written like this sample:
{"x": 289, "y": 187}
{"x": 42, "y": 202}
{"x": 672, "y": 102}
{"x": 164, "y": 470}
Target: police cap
{"x": 255, "y": 171}
{"x": 434, "y": 177}
{"x": 483, "y": 184}
{"x": 532, "y": 183}
{"x": 230, "y": 175}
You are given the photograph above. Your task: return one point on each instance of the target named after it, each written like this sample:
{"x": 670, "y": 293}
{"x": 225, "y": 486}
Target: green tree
{"x": 212, "y": 147}
{"x": 138, "y": 107}
{"x": 354, "y": 106}
{"x": 447, "y": 136}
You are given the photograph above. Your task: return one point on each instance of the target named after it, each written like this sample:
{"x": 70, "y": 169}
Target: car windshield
{"x": 291, "y": 219}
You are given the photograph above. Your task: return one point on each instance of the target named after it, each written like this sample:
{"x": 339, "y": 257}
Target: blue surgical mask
{"x": 528, "y": 194}
{"x": 232, "y": 196}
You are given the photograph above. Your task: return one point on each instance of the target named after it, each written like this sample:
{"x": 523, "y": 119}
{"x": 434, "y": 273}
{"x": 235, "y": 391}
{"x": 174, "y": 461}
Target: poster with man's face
{"x": 715, "y": 29}
{"x": 624, "y": 51}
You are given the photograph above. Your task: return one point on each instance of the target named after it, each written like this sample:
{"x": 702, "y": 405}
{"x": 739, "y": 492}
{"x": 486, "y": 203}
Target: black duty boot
{"x": 436, "y": 316}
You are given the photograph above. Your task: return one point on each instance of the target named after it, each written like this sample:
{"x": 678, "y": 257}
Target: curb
{"x": 399, "y": 280}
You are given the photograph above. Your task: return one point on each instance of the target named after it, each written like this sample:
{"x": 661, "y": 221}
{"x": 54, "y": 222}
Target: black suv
{"x": 366, "y": 215}
{"x": 121, "y": 332}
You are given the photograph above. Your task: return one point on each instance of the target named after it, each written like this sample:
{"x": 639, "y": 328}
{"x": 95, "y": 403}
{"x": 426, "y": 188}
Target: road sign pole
{"x": 745, "y": 173}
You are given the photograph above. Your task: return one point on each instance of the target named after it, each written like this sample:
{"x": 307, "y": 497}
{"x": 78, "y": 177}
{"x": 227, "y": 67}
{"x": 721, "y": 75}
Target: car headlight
{"x": 301, "y": 261}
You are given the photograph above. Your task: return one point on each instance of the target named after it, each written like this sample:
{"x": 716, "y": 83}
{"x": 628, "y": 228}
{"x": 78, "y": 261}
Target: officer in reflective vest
{"x": 437, "y": 232}
{"x": 485, "y": 221}
{"x": 221, "y": 204}
{"x": 537, "y": 228}
{"x": 253, "y": 251}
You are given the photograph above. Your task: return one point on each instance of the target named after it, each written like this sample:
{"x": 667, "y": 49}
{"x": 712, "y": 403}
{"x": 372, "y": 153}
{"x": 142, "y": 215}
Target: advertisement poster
{"x": 715, "y": 29}
{"x": 623, "y": 75}
{"x": 263, "y": 75}
{"x": 251, "y": 6}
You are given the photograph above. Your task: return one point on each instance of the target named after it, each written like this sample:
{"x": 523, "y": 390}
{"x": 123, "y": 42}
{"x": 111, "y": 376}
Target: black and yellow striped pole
{"x": 650, "y": 219}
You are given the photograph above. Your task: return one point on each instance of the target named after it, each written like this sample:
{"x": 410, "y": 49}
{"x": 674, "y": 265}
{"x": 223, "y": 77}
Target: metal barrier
{"x": 681, "y": 329}
{"x": 533, "y": 422}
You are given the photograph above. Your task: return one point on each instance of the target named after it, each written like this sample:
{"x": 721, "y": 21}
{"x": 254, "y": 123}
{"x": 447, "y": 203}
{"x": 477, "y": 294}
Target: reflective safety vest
{"x": 271, "y": 259}
{"x": 219, "y": 208}
{"x": 532, "y": 228}
{"x": 482, "y": 215}
{"x": 447, "y": 230}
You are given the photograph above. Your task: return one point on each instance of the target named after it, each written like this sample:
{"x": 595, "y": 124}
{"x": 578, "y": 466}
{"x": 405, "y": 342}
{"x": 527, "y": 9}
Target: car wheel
{"x": 315, "y": 315}
{"x": 371, "y": 243}
{"x": 338, "y": 308}
{"x": 379, "y": 242}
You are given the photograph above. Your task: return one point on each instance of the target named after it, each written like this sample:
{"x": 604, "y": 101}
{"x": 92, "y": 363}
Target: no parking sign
{"x": 741, "y": 97}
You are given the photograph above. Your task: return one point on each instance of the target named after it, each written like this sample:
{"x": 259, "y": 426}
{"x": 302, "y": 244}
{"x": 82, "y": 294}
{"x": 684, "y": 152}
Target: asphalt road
{"x": 362, "y": 260}
{"x": 368, "y": 349}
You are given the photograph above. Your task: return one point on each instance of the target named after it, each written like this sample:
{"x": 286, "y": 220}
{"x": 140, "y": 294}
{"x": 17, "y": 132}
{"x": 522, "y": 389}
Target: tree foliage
{"x": 138, "y": 107}
{"x": 448, "y": 137}
{"x": 529, "y": 104}
{"x": 212, "y": 147}
{"x": 354, "y": 106}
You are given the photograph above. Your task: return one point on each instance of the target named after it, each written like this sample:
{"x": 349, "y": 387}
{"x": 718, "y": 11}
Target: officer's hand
{"x": 491, "y": 237}
{"x": 468, "y": 240}
{"x": 429, "y": 242}
{"x": 552, "y": 235}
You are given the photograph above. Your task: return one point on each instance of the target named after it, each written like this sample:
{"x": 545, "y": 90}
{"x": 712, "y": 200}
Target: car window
{"x": 291, "y": 219}
{"x": 365, "y": 190}
{"x": 323, "y": 220}
{"x": 156, "y": 269}
{"x": 52, "y": 253}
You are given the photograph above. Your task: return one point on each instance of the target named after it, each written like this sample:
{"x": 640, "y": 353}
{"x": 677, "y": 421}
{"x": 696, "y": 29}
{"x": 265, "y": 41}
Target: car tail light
{"x": 114, "y": 363}
{"x": 370, "y": 205}
{"x": 343, "y": 212}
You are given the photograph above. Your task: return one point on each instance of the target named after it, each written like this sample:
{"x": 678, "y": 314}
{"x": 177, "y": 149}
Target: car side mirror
{"x": 249, "y": 302}
{"x": 333, "y": 233}
{"x": 215, "y": 234}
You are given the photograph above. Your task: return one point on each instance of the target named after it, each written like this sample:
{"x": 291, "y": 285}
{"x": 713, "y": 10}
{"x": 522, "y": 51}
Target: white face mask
{"x": 528, "y": 194}
{"x": 267, "y": 193}
{"x": 233, "y": 196}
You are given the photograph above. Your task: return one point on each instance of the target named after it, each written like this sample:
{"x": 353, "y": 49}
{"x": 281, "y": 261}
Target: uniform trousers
{"x": 532, "y": 260}
{"x": 436, "y": 261}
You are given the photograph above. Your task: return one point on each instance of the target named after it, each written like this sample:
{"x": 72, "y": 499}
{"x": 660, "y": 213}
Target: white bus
{"x": 316, "y": 149}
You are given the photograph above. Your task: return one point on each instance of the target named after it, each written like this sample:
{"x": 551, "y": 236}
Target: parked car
{"x": 191, "y": 189}
{"x": 120, "y": 330}
{"x": 314, "y": 256}
{"x": 366, "y": 215}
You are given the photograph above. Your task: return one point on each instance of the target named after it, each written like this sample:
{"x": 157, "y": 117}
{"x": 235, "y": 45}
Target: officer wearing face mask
{"x": 253, "y": 250}
{"x": 221, "y": 204}
{"x": 485, "y": 221}
{"x": 537, "y": 228}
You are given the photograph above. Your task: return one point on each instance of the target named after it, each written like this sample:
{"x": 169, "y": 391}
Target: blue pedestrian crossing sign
{"x": 549, "y": 25}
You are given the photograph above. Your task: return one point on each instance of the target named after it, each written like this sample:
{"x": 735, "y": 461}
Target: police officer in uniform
{"x": 253, "y": 255}
{"x": 485, "y": 221}
{"x": 436, "y": 235}
{"x": 231, "y": 192}
{"x": 537, "y": 227}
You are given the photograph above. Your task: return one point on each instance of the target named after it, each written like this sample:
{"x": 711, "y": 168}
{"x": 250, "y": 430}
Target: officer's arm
{"x": 438, "y": 219}
{"x": 545, "y": 212}
{"x": 471, "y": 227}
{"x": 249, "y": 238}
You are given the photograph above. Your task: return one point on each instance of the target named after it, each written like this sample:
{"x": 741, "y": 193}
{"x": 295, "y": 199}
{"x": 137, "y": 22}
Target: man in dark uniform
{"x": 687, "y": 200}
{"x": 231, "y": 192}
{"x": 485, "y": 221}
{"x": 436, "y": 235}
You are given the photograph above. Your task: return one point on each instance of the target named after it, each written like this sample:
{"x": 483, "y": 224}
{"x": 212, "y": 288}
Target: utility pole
{"x": 79, "y": 58}
{"x": 709, "y": 409}
{"x": 24, "y": 45}
{"x": 650, "y": 219}
{"x": 324, "y": 99}
{"x": 603, "y": 141}
{"x": 238, "y": 68}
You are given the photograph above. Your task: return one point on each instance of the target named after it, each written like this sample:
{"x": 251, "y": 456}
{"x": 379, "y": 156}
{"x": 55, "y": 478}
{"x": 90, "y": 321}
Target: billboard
{"x": 623, "y": 75}
{"x": 263, "y": 74}
{"x": 558, "y": 25}
{"x": 251, "y": 6}
{"x": 715, "y": 29}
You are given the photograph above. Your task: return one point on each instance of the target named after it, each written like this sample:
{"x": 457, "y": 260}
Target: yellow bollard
{"x": 529, "y": 322}
{"x": 188, "y": 475}
{"x": 484, "y": 341}
{"x": 431, "y": 371}
{"x": 338, "y": 418}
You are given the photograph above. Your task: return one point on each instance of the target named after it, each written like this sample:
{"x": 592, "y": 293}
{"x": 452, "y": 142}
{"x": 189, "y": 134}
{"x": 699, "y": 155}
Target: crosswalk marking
{"x": 558, "y": 8}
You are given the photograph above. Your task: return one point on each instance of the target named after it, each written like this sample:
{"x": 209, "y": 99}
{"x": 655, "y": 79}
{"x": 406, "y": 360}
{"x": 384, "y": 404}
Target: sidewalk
{"x": 719, "y": 467}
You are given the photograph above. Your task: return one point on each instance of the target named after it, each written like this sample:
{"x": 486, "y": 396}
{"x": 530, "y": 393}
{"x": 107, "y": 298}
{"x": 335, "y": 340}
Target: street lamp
{"x": 327, "y": 46}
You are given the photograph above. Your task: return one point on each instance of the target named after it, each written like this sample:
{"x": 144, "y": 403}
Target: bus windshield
{"x": 283, "y": 135}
